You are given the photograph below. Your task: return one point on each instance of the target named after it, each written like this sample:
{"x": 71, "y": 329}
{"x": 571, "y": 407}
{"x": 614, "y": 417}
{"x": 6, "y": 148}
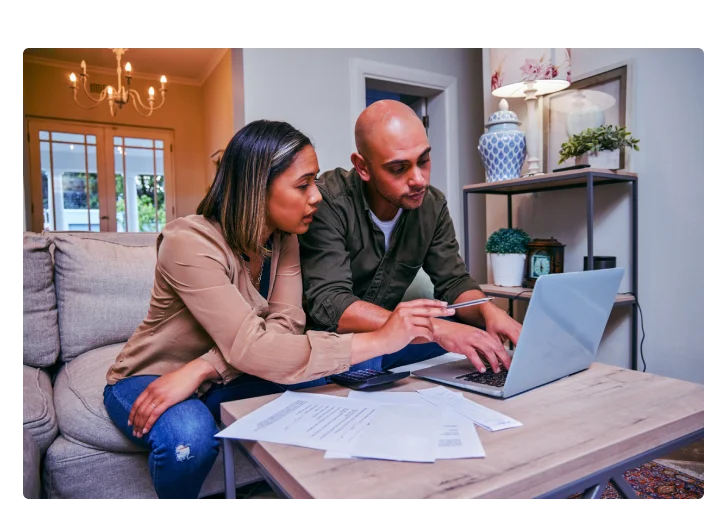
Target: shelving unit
{"x": 581, "y": 178}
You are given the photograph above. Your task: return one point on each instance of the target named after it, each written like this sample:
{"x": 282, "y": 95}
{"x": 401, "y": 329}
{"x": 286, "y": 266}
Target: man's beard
{"x": 402, "y": 202}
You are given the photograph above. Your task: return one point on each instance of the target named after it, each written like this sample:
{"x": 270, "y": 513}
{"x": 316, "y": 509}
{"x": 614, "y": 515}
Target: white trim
{"x": 361, "y": 69}
{"x": 68, "y": 65}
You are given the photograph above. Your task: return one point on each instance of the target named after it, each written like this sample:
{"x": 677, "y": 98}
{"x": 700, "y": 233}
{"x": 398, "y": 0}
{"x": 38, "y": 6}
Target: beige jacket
{"x": 203, "y": 305}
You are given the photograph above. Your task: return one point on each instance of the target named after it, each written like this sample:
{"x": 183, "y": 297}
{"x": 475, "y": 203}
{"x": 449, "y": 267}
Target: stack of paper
{"x": 405, "y": 426}
{"x": 456, "y": 438}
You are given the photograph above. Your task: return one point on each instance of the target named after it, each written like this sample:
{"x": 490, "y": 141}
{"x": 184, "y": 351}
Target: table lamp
{"x": 529, "y": 73}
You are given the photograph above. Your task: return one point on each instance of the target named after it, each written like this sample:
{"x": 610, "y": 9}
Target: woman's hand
{"x": 164, "y": 392}
{"x": 412, "y": 320}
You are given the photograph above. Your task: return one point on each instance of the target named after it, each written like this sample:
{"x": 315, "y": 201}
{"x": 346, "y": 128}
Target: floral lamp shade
{"x": 512, "y": 68}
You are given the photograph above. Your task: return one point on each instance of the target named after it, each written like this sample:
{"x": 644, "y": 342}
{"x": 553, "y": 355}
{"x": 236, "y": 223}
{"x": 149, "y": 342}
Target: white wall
{"x": 311, "y": 90}
{"x": 666, "y": 112}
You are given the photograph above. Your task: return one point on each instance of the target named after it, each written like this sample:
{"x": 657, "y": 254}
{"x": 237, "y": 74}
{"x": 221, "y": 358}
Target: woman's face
{"x": 292, "y": 197}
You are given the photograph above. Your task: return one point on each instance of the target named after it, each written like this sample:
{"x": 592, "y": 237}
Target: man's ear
{"x": 360, "y": 165}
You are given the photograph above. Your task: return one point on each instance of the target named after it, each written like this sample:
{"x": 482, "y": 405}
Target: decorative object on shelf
{"x": 119, "y": 95}
{"x": 601, "y": 262}
{"x": 544, "y": 256}
{"x": 529, "y": 73}
{"x": 503, "y": 147}
{"x": 586, "y": 146}
{"x": 507, "y": 248}
{"x": 589, "y": 103}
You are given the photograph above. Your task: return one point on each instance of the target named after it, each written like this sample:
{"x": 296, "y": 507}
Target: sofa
{"x": 84, "y": 294}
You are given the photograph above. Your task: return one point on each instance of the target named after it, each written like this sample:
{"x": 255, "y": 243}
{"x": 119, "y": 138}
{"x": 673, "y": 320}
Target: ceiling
{"x": 190, "y": 65}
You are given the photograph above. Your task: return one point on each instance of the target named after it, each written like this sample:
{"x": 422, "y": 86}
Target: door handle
{"x": 104, "y": 217}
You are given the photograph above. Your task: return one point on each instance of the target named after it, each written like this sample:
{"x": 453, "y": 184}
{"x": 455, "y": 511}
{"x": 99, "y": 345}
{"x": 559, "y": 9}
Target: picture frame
{"x": 589, "y": 102}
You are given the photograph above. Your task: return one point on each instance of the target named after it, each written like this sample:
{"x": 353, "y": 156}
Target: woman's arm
{"x": 194, "y": 264}
{"x": 166, "y": 391}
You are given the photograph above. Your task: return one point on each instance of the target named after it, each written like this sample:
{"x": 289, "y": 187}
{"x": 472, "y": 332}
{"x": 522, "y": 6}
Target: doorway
{"x": 99, "y": 178}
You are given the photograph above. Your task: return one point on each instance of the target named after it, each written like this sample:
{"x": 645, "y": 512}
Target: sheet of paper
{"x": 309, "y": 420}
{"x": 456, "y": 436}
{"x": 438, "y": 360}
{"x": 481, "y": 415}
{"x": 404, "y": 433}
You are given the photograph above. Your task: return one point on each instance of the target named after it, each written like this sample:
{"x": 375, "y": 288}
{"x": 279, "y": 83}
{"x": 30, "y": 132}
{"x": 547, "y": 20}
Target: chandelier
{"x": 122, "y": 94}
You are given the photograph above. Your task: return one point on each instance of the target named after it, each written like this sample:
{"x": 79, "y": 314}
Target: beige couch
{"x": 84, "y": 294}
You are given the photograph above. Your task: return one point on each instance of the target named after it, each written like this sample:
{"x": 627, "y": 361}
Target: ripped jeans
{"x": 181, "y": 444}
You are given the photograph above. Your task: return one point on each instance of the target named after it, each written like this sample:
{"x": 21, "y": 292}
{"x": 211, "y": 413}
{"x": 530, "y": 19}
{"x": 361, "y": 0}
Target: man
{"x": 376, "y": 226}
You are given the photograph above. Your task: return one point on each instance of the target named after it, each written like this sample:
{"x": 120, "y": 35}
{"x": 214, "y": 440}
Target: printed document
{"x": 481, "y": 415}
{"x": 456, "y": 436}
{"x": 334, "y": 423}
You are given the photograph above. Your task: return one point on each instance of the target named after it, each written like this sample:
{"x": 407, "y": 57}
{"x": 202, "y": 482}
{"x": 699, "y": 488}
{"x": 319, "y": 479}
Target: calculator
{"x": 367, "y": 378}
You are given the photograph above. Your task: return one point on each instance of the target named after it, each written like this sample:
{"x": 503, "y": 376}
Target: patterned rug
{"x": 653, "y": 480}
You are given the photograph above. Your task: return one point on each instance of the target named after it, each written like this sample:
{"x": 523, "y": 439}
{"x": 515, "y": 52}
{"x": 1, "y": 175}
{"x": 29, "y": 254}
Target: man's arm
{"x": 325, "y": 263}
{"x": 448, "y": 271}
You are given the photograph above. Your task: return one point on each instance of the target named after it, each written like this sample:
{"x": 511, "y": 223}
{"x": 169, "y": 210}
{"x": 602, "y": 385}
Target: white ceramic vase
{"x": 508, "y": 269}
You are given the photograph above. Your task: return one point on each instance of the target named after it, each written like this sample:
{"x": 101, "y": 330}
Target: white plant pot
{"x": 508, "y": 269}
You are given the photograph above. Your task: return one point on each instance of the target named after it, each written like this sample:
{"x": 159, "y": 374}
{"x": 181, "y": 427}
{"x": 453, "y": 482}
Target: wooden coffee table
{"x": 578, "y": 434}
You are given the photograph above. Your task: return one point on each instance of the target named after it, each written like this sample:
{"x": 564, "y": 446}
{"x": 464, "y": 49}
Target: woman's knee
{"x": 186, "y": 431}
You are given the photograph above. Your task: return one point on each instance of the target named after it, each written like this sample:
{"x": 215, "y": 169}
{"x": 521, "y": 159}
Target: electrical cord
{"x": 642, "y": 326}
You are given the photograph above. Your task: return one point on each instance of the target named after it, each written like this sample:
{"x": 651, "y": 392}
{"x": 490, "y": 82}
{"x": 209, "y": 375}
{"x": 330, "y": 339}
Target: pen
{"x": 470, "y": 303}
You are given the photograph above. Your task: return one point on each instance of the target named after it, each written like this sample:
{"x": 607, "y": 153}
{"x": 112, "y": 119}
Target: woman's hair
{"x": 255, "y": 156}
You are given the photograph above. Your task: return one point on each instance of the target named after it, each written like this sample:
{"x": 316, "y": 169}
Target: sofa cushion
{"x": 102, "y": 287}
{"x": 78, "y": 397}
{"x": 40, "y": 320}
{"x": 38, "y": 406}
{"x": 73, "y": 470}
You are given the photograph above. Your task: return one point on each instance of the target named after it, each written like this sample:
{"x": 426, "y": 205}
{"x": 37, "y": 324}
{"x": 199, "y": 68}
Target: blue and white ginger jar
{"x": 503, "y": 147}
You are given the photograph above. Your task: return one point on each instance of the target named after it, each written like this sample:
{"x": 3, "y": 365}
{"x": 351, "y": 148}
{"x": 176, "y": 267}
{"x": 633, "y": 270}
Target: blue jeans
{"x": 182, "y": 447}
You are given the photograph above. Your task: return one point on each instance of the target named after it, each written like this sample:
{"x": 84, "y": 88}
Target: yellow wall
{"x": 218, "y": 112}
{"x": 47, "y": 94}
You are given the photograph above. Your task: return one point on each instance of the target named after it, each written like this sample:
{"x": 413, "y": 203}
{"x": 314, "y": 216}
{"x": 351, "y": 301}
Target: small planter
{"x": 508, "y": 269}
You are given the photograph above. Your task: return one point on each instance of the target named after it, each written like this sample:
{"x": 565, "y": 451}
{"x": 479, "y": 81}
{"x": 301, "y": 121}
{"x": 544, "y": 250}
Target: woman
{"x": 225, "y": 320}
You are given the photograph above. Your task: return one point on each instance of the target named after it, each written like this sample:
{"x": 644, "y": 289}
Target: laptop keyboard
{"x": 487, "y": 378}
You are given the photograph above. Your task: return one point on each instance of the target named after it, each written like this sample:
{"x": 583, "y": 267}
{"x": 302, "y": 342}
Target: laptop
{"x": 561, "y": 332}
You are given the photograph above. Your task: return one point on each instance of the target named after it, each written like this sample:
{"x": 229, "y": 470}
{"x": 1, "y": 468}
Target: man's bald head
{"x": 387, "y": 125}
{"x": 393, "y": 157}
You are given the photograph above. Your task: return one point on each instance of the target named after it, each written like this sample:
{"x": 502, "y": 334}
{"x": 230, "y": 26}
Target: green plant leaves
{"x": 508, "y": 241}
{"x": 603, "y": 138}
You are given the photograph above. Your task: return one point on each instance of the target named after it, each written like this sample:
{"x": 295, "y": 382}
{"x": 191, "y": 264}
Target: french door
{"x": 99, "y": 177}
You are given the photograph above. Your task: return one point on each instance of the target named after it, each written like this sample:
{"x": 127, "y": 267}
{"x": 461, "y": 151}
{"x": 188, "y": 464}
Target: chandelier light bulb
{"x": 120, "y": 95}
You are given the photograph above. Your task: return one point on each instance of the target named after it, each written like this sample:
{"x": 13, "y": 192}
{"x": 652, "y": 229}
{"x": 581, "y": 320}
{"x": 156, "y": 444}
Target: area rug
{"x": 653, "y": 480}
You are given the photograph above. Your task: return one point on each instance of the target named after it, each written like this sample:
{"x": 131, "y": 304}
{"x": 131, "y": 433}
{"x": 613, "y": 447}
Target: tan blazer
{"x": 204, "y": 305}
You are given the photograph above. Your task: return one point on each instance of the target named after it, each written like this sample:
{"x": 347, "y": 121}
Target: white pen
{"x": 470, "y": 303}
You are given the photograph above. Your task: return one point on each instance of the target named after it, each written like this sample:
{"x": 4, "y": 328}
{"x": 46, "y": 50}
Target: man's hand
{"x": 166, "y": 391}
{"x": 472, "y": 341}
{"x": 499, "y": 325}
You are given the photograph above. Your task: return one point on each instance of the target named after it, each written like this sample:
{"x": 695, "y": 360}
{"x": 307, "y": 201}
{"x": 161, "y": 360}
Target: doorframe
{"x": 363, "y": 69}
{"x": 106, "y": 190}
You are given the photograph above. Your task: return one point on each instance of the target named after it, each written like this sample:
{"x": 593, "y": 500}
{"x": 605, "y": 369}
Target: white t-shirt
{"x": 387, "y": 227}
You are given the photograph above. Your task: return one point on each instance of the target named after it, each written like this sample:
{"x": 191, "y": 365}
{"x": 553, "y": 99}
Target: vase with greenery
{"x": 591, "y": 141}
{"x": 507, "y": 248}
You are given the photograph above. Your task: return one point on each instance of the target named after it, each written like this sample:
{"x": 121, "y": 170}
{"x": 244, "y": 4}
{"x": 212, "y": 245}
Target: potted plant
{"x": 507, "y": 248}
{"x": 593, "y": 140}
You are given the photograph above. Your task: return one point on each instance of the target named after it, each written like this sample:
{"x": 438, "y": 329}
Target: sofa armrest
{"x": 39, "y": 414}
{"x": 30, "y": 465}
